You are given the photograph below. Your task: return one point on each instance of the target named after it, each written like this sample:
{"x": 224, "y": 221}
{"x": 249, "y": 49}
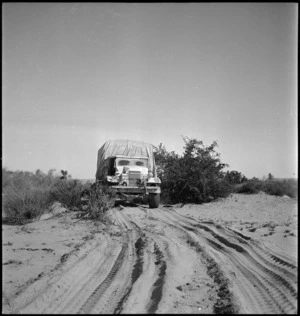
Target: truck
{"x": 128, "y": 168}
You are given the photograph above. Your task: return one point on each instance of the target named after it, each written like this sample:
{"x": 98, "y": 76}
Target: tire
{"x": 154, "y": 200}
{"x": 145, "y": 199}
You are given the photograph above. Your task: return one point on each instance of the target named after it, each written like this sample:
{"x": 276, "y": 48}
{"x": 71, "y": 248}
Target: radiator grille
{"x": 133, "y": 177}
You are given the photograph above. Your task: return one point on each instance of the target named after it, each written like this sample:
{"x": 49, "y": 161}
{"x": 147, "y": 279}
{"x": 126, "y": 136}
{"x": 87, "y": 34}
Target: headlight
{"x": 113, "y": 179}
{"x": 154, "y": 180}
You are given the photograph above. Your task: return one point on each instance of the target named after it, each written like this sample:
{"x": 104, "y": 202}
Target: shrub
{"x": 22, "y": 206}
{"x": 195, "y": 177}
{"x": 270, "y": 186}
{"x": 280, "y": 188}
{"x": 66, "y": 191}
{"x": 101, "y": 200}
{"x": 235, "y": 177}
{"x": 28, "y": 195}
{"x": 250, "y": 187}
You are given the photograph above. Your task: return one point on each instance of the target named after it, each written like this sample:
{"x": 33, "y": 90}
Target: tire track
{"x": 114, "y": 296}
{"x": 271, "y": 253}
{"x": 225, "y": 301}
{"x": 157, "y": 291}
{"x": 74, "y": 296}
{"x": 265, "y": 287}
{"x": 257, "y": 297}
{"x": 100, "y": 289}
{"x": 254, "y": 247}
{"x": 270, "y": 279}
{"x": 141, "y": 263}
{"x": 245, "y": 239}
{"x": 160, "y": 265}
{"x": 279, "y": 272}
{"x": 136, "y": 273}
{"x": 259, "y": 268}
{"x": 260, "y": 261}
{"x": 59, "y": 293}
{"x": 88, "y": 289}
{"x": 283, "y": 269}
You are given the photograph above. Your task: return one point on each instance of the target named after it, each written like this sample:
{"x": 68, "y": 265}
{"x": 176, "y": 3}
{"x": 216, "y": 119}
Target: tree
{"x": 162, "y": 157}
{"x": 64, "y": 174}
{"x": 197, "y": 176}
{"x": 235, "y": 177}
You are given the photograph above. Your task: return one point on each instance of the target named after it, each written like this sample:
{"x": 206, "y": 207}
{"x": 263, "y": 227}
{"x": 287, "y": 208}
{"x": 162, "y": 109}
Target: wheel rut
{"x": 157, "y": 290}
{"x": 273, "y": 278}
{"x": 136, "y": 272}
{"x": 100, "y": 289}
{"x": 140, "y": 267}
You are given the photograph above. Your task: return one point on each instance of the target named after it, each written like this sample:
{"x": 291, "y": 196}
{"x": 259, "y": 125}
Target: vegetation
{"x": 195, "y": 177}
{"x": 101, "y": 200}
{"x": 26, "y": 195}
{"x": 198, "y": 176}
{"x": 235, "y": 177}
{"x": 270, "y": 186}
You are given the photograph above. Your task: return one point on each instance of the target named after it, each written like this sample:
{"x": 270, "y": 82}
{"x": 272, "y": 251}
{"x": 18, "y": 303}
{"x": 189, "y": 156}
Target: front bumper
{"x": 136, "y": 190}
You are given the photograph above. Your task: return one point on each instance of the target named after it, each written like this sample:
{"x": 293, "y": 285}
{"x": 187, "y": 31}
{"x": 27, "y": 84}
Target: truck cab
{"x": 130, "y": 175}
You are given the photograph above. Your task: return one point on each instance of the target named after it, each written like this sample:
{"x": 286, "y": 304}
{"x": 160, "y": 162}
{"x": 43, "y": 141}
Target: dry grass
{"x": 26, "y": 196}
{"x": 272, "y": 187}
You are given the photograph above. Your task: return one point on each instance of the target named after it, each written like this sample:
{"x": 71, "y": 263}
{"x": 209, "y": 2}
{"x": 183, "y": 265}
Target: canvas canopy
{"x": 124, "y": 147}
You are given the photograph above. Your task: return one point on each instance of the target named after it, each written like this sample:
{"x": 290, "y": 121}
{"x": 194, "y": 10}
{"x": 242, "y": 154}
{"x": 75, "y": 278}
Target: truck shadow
{"x": 122, "y": 203}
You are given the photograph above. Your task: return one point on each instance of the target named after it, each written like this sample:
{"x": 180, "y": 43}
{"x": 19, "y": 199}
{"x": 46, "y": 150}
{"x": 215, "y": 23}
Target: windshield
{"x": 141, "y": 162}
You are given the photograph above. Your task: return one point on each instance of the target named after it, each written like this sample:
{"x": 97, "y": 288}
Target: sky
{"x": 75, "y": 75}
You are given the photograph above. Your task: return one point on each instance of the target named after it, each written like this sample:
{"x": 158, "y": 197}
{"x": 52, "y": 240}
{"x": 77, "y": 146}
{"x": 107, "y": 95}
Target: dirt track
{"x": 158, "y": 261}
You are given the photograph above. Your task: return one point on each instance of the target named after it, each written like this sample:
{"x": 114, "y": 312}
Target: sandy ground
{"x": 271, "y": 219}
{"x": 235, "y": 255}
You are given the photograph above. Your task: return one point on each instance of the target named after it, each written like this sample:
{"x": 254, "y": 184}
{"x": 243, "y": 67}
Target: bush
{"x": 101, "y": 200}
{"x": 270, "y": 186}
{"x": 280, "y": 188}
{"x": 67, "y": 192}
{"x": 26, "y": 195}
{"x": 195, "y": 177}
{"x": 22, "y": 206}
{"x": 250, "y": 187}
{"x": 235, "y": 177}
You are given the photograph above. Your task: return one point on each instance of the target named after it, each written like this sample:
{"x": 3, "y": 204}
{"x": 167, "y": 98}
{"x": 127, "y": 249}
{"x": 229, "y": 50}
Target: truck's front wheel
{"x": 154, "y": 200}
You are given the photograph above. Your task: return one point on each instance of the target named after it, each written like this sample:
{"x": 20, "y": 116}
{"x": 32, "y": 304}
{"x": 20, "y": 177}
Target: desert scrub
{"x": 271, "y": 187}
{"x": 23, "y": 205}
{"x": 249, "y": 187}
{"x": 67, "y": 192}
{"x": 281, "y": 188}
{"x": 26, "y": 195}
{"x": 195, "y": 177}
{"x": 101, "y": 200}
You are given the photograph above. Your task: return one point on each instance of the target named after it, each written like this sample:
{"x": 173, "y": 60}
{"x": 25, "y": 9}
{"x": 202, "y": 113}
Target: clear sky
{"x": 77, "y": 74}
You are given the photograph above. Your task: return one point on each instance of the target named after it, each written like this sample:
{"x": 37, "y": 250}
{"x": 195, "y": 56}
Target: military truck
{"x": 128, "y": 168}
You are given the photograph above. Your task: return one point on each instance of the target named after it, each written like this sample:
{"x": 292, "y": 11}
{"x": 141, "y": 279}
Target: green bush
{"x": 250, "y": 187}
{"x": 195, "y": 177}
{"x": 26, "y": 195}
{"x": 67, "y": 192}
{"x": 280, "y": 188}
{"x": 235, "y": 177}
{"x": 22, "y": 206}
{"x": 101, "y": 200}
{"x": 270, "y": 186}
